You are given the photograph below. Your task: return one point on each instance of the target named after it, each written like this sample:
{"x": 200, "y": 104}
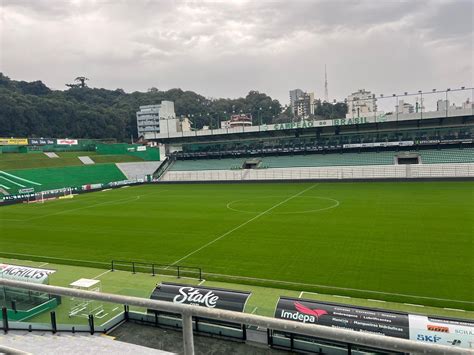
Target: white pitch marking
{"x": 254, "y": 310}
{"x": 413, "y": 305}
{"x": 5, "y": 187}
{"x": 43, "y": 264}
{"x": 105, "y": 190}
{"x": 370, "y": 299}
{"x": 13, "y": 182}
{"x": 115, "y": 309}
{"x": 128, "y": 199}
{"x": 102, "y": 274}
{"x": 454, "y": 309}
{"x": 301, "y": 294}
{"x": 199, "y": 284}
{"x": 243, "y": 224}
{"x": 19, "y": 178}
{"x": 340, "y": 296}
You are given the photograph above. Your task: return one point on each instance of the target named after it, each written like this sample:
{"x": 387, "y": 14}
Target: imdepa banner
{"x": 208, "y": 297}
{"x": 341, "y": 316}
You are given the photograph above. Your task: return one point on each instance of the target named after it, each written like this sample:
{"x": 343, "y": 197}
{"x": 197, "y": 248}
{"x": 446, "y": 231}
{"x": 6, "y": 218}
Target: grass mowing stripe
{"x": 13, "y": 182}
{"x": 244, "y": 224}
{"x": 19, "y": 178}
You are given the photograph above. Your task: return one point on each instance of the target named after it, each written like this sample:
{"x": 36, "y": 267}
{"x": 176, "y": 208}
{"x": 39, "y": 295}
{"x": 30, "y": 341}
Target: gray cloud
{"x": 226, "y": 48}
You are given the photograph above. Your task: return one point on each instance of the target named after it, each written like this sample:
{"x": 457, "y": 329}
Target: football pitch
{"x": 401, "y": 242}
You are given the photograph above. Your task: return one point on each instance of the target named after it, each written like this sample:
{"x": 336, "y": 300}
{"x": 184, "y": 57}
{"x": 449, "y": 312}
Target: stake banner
{"x": 442, "y": 331}
{"x": 25, "y": 273}
{"x": 341, "y": 316}
{"x": 208, "y": 297}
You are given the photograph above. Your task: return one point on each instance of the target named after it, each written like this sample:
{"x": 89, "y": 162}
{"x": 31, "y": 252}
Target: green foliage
{"x": 33, "y": 110}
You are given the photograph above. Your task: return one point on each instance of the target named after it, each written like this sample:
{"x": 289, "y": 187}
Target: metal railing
{"x": 187, "y": 312}
{"x": 154, "y": 268}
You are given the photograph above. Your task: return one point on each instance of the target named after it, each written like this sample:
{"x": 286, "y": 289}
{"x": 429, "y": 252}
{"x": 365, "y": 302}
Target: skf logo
{"x": 428, "y": 338}
{"x": 437, "y": 328}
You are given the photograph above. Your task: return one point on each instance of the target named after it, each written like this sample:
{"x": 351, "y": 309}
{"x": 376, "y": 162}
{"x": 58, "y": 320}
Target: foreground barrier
{"x": 188, "y": 312}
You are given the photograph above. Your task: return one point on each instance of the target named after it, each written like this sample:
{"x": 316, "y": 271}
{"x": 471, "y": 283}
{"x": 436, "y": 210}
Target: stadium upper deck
{"x": 460, "y": 117}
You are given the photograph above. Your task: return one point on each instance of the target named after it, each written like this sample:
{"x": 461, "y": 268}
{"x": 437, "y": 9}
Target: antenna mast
{"x": 326, "y": 94}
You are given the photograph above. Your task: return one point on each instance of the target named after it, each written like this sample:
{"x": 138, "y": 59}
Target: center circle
{"x": 330, "y": 204}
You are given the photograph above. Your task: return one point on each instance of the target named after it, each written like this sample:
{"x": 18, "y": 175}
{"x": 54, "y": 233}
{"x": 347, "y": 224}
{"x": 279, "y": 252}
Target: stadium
{"x": 340, "y": 218}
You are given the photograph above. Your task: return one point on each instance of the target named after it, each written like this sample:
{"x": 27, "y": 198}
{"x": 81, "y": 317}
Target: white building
{"x": 150, "y": 118}
{"x": 242, "y": 120}
{"x": 361, "y": 104}
{"x": 442, "y": 105}
{"x": 404, "y": 107}
{"x": 295, "y": 95}
{"x": 303, "y": 107}
{"x": 468, "y": 104}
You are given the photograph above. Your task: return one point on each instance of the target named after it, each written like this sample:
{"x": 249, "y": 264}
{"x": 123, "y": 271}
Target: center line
{"x": 243, "y": 224}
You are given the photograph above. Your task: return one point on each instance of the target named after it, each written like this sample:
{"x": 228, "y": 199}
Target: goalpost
{"x": 41, "y": 197}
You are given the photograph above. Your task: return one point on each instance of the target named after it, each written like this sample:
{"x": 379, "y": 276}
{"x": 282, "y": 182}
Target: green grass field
{"x": 402, "y": 242}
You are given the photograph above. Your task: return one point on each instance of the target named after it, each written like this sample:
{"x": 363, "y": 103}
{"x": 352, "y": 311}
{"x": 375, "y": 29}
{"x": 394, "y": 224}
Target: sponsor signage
{"x": 41, "y": 141}
{"x": 27, "y": 190}
{"x": 25, "y": 273}
{"x": 13, "y": 141}
{"x": 141, "y": 148}
{"x": 208, "y": 297}
{"x": 442, "y": 331}
{"x": 341, "y": 316}
{"x": 379, "y": 144}
{"x": 66, "y": 142}
{"x": 91, "y": 187}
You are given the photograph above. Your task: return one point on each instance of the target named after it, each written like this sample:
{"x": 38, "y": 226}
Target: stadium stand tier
{"x": 138, "y": 170}
{"x": 431, "y": 156}
{"x": 40, "y": 160}
{"x": 58, "y": 177}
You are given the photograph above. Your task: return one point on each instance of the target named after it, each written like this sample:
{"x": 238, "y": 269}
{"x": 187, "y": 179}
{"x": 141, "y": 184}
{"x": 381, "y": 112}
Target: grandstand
{"x": 429, "y": 156}
{"x": 32, "y": 168}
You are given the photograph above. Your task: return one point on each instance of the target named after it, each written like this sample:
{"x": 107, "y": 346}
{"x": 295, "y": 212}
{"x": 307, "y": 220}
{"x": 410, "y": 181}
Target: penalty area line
{"x": 102, "y": 274}
{"x": 244, "y": 224}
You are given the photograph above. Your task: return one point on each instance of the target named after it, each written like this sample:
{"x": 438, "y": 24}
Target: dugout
{"x": 210, "y": 297}
{"x": 22, "y": 304}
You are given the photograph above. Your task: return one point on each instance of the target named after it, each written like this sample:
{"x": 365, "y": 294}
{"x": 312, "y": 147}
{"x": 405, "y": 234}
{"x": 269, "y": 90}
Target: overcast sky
{"x": 226, "y": 48}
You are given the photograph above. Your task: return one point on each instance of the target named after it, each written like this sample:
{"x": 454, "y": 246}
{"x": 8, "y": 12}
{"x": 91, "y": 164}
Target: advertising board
{"x": 41, "y": 141}
{"x": 423, "y": 328}
{"x": 342, "y": 316}
{"x": 209, "y": 297}
{"x": 66, "y": 142}
{"x": 25, "y": 273}
{"x": 13, "y": 141}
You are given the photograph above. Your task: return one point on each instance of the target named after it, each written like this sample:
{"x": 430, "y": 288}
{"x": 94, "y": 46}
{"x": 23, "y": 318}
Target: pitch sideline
{"x": 255, "y": 279}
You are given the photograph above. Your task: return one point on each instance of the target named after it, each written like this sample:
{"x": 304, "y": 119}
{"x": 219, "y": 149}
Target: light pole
{"x": 446, "y": 103}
